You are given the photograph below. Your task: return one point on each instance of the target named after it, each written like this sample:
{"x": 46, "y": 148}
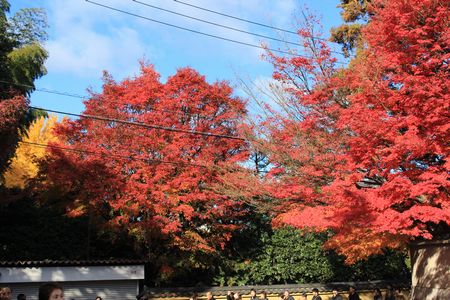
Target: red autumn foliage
{"x": 12, "y": 114}
{"x": 155, "y": 183}
{"x": 384, "y": 120}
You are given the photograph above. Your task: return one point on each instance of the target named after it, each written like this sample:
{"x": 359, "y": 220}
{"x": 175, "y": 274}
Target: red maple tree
{"x": 367, "y": 156}
{"x": 156, "y": 183}
{"x": 12, "y": 114}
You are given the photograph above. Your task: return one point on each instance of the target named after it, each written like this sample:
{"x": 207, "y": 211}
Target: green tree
{"x": 29, "y": 25}
{"x": 287, "y": 255}
{"x": 354, "y": 13}
{"x": 6, "y": 42}
{"x": 22, "y": 58}
{"x": 292, "y": 257}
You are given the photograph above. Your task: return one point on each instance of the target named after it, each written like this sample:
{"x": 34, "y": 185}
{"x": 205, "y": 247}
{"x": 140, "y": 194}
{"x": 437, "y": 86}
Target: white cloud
{"x": 87, "y": 53}
{"x": 276, "y": 13}
{"x": 87, "y": 39}
{"x": 82, "y": 47}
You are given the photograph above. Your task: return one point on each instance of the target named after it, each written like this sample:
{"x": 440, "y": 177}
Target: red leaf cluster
{"x": 12, "y": 114}
{"x": 384, "y": 120}
{"x": 156, "y": 183}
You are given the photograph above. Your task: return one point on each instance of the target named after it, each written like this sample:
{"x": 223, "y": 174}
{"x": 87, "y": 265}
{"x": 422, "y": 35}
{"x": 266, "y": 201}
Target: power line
{"x": 200, "y": 32}
{"x": 86, "y": 97}
{"x": 247, "y": 21}
{"x": 149, "y": 160}
{"x": 234, "y": 17}
{"x": 223, "y": 26}
{"x": 140, "y": 124}
{"x": 186, "y": 29}
{"x": 46, "y": 90}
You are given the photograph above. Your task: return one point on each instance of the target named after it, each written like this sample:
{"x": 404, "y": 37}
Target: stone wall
{"x": 364, "y": 295}
{"x": 365, "y": 290}
{"x": 430, "y": 270}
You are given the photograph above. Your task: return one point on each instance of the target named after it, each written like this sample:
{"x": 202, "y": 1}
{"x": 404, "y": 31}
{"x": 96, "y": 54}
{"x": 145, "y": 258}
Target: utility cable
{"x": 200, "y": 32}
{"x": 149, "y": 160}
{"x": 248, "y": 21}
{"x": 46, "y": 90}
{"x": 224, "y": 26}
{"x": 181, "y": 113}
{"x": 140, "y": 124}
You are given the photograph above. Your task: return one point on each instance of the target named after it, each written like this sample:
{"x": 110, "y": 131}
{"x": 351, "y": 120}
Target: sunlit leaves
{"x": 24, "y": 165}
{"x": 386, "y": 117}
{"x": 157, "y": 183}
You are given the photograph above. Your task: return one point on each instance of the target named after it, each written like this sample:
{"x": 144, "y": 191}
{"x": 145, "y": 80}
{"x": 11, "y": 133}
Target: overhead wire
{"x": 291, "y": 53}
{"x": 46, "y": 90}
{"x": 158, "y": 127}
{"x": 62, "y": 93}
{"x": 141, "y": 124}
{"x": 248, "y": 21}
{"x": 224, "y": 26}
{"x": 149, "y": 160}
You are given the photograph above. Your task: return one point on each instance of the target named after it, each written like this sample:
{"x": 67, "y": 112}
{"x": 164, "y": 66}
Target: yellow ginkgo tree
{"x": 24, "y": 165}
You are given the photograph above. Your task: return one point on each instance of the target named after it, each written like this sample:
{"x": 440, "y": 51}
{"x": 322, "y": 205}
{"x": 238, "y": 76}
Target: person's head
{"x": 21, "y": 297}
{"x": 389, "y": 291}
{"x": 398, "y": 291}
{"x": 51, "y": 291}
{"x": 351, "y": 290}
{"x": 286, "y": 293}
{"x": 315, "y": 292}
{"x": 335, "y": 292}
{"x": 252, "y": 293}
{"x": 303, "y": 296}
{"x": 98, "y": 298}
{"x": 194, "y": 296}
{"x": 377, "y": 292}
{"x": 5, "y": 293}
{"x": 237, "y": 296}
{"x": 209, "y": 295}
{"x": 264, "y": 294}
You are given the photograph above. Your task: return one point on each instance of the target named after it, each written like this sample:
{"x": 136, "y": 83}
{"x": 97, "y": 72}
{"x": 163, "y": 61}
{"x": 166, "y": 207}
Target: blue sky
{"x": 85, "y": 39}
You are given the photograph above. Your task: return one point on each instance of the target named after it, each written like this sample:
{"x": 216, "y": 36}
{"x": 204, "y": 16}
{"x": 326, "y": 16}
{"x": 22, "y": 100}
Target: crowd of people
{"x": 47, "y": 291}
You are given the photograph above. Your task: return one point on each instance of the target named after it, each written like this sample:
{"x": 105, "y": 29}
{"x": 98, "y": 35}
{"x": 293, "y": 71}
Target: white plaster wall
{"x": 108, "y": 290}
{"x": 62, "y": 274}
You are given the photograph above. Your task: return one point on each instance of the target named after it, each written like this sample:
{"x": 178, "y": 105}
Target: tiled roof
{"x": 59, "y": 263}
